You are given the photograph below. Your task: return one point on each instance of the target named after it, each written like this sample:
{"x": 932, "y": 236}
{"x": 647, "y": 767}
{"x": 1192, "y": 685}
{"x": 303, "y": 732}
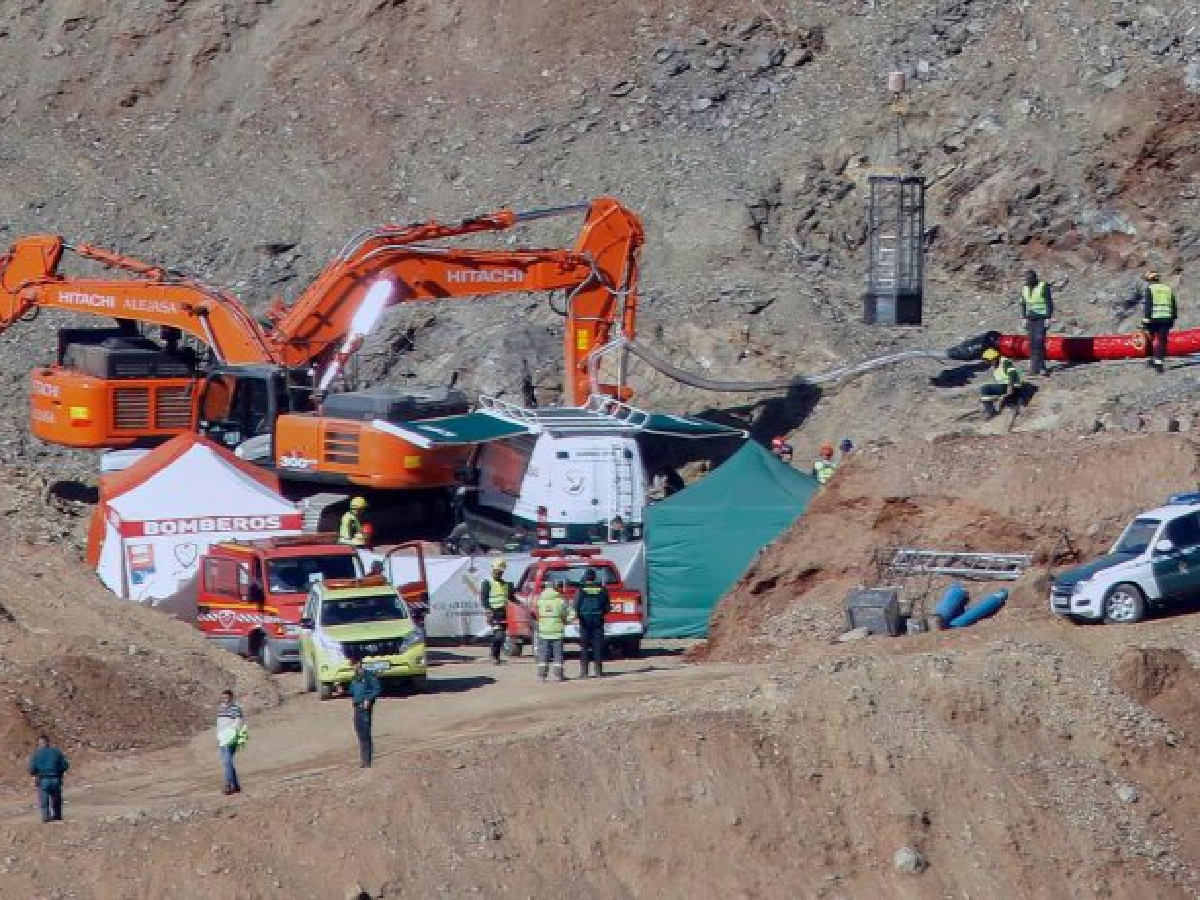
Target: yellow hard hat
{"x": 499, "y": 565}
{"x": 358, "y": 503}
{"x": 991, "y": 355}
{"x": 1151, "y": 275}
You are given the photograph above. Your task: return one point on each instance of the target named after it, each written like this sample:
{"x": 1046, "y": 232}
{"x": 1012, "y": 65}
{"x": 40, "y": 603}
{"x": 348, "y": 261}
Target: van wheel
{"x": 1125, "y": 604}
{"x": 310, "y": 680}
{"x": 325, "y": 690}
{"x": 269, "y": 659}
{"x": 514, "y": 647}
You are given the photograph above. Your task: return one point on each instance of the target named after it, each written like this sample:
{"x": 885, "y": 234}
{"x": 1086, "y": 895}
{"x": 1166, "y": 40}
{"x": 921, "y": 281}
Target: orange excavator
{"x": 266, "y": 389}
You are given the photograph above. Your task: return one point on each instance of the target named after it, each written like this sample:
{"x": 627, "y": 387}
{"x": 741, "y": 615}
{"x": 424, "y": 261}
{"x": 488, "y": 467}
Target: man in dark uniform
{"x": 47, "y": 766}
{"x": 590, "y": 608}
{"x": 364, "y": 691}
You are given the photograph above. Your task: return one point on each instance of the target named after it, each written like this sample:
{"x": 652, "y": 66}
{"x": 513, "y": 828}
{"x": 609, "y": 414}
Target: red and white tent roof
{"x": 190, "y": 485}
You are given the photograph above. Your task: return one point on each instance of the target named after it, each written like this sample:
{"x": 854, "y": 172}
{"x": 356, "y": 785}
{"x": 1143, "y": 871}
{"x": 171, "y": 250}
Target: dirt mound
{"x": 1148, "y": 674}
{"x": 1165, "y": 681}
{"x": 98, "y": 673}
{"x": 1001, "y": 494}
{"x": 1012, "y": 766}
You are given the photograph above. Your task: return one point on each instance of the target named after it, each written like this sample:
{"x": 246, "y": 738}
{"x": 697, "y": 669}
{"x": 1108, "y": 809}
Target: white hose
{"x": 842, "y": 373}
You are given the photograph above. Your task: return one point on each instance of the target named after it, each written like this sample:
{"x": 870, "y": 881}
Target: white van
{"x": 573, "y": 484}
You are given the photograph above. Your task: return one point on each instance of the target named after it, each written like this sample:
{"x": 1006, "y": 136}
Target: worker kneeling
{"x": 1006, "y": 386}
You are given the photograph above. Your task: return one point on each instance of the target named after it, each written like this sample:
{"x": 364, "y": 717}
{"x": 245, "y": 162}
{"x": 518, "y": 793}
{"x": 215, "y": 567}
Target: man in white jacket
{"x": 231, "y": 736}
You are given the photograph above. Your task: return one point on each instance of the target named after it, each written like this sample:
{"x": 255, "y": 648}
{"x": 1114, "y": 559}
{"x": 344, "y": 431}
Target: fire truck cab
{"x": 625, "y": 623}
{"x": 252, "y": 592}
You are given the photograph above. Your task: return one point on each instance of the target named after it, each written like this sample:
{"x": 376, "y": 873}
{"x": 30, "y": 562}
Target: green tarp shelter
{"x": 496, "y": 420}
{"x": 700, "y": 541}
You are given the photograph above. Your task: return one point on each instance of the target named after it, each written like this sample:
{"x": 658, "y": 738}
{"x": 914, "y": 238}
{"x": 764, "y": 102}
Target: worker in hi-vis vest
{"x": 1005, "y": 386}
{"x": 553, "y": 613}
{"x": 1037, "y": 307}
{"x": 1159, "y": 312}
{"x": 351, "y": 531}
{"x": 494, "y": 594}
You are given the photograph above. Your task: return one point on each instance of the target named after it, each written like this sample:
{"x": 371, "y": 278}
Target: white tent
{"x": 156, "y": 518}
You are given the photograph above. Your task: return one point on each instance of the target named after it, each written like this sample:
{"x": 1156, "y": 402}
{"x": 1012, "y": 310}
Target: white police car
{"x": 1155, "y": 562}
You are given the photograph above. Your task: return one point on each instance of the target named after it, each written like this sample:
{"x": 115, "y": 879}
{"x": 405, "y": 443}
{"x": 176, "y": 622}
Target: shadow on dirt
{"x": 457, "y": 684}
{"x": 958, "y": 376}
{"x": 73, "y": 491}
{"x": 782, "y": 413}
{"x": 440, "y": 656}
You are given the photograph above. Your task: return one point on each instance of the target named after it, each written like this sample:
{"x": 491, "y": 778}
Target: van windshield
{"x": 1137, "y": 536}
{"x": 356, "y": 610}
{"x": 293, "y": 576}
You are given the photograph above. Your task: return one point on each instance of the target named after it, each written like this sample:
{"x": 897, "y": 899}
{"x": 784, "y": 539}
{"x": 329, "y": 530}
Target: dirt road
{"x": 468, "y": 698}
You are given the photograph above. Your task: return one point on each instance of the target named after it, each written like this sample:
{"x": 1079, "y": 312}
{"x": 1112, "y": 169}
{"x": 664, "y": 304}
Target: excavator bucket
{"x": 29, "y": 262}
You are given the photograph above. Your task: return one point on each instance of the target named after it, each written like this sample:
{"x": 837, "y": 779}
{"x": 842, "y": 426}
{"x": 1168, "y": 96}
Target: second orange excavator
{"x": 266, "y": 389}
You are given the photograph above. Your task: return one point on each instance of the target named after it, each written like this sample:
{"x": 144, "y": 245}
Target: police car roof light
{"x": 564, "y": 552}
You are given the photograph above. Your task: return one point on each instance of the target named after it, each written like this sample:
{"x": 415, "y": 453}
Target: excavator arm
{"x": 30, "y": 280}
{"x": 599, "y": 275}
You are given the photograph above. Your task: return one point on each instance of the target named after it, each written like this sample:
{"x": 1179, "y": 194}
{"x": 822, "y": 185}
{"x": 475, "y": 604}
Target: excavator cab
{"x": 237, "y": 406}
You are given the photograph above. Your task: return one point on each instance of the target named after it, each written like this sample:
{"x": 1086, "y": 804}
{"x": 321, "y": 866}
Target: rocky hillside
{"x": 247, "y": 139}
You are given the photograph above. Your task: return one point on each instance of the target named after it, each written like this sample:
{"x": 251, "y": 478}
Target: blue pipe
{"x": 953, "y": 602}
{"x": 988, "y": 606}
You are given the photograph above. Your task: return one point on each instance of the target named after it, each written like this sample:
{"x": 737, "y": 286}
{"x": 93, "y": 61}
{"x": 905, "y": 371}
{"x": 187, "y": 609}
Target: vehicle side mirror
{"x": 1164, "y": 546}
{"x": 306, "y": 623}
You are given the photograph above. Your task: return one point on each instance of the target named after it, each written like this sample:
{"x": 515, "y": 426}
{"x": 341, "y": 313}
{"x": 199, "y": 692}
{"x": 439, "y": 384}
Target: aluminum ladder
{"x": 961, "y": 564}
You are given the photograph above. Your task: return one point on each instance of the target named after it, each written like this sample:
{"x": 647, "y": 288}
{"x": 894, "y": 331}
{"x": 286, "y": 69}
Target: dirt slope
{"x": 248, "y": 140}
{"x": 97, "y": 673}
{"x": 1058, "y": 497}
{"x": 1003, "y": 760}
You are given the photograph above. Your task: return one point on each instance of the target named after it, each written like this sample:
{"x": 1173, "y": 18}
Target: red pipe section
{"x": 1135, "y": 345}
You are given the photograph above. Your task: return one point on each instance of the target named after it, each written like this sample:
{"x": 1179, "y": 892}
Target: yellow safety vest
{"x": 497, "y": 593}
{"x": 1006, "y": 373}
{"x": 824, "y": 469}
{"x": 1035, "y": 299}
{"x": 1162, "y": 302}
{"x": 553, "y": 612}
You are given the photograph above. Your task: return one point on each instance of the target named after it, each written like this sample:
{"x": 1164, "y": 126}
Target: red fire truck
{"x": 625, "y": 623}
{"x": 252, "y": 592}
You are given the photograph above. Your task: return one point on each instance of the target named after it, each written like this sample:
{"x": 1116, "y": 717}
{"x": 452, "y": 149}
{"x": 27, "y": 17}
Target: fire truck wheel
{"x": 325, "y": 690}
{"x": 269, "y": 658}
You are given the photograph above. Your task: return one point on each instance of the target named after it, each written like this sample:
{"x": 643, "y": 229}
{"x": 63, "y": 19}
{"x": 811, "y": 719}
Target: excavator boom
{"x": 599, "y": 276}
{"x": 113, "y": 387}
{"x": 29, "y": 281}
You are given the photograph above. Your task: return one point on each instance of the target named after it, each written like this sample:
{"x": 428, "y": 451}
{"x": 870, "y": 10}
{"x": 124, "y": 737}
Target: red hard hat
{"x": 827, "y": 450}
{"x": 777, "y": 442}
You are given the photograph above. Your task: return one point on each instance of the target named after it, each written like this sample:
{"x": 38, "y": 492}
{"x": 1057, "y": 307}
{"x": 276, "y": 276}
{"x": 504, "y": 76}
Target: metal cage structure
{"x": 896, "y": 265}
